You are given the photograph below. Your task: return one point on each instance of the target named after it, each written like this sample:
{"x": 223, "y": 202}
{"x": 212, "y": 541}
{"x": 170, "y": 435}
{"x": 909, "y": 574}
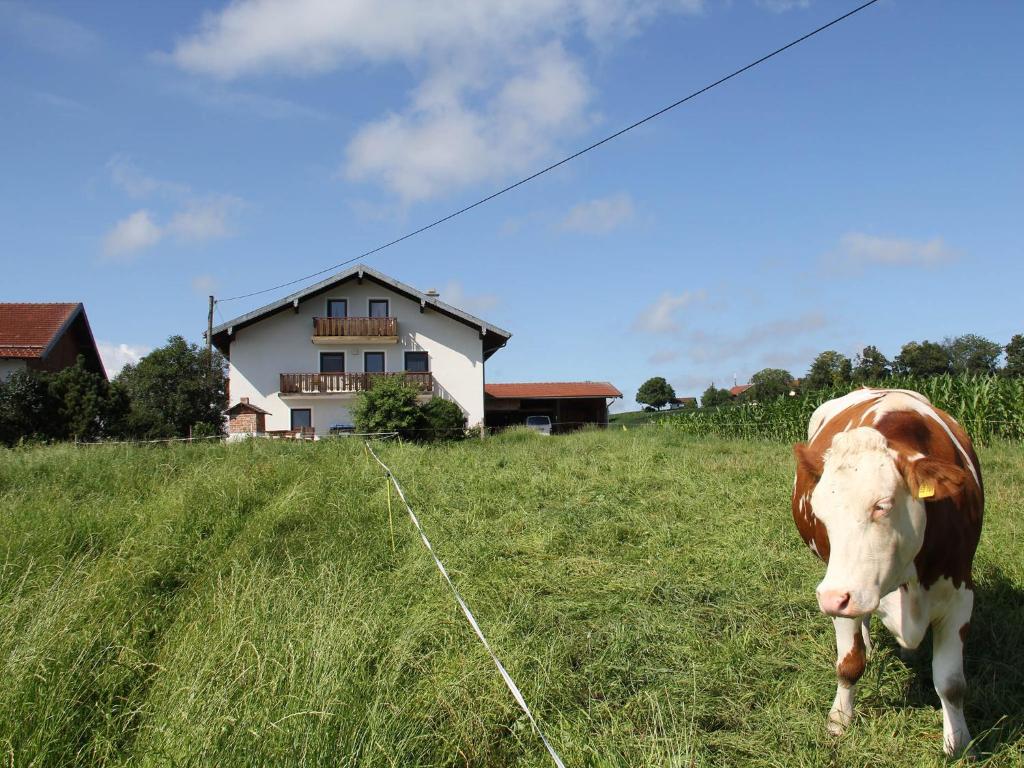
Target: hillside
{"x": 242, "y": 605}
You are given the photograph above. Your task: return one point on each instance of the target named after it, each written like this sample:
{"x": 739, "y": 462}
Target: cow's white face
{"x": 875, "y": 527}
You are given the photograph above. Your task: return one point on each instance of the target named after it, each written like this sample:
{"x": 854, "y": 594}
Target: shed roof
{"x": 552, "y": 389}
{"x": 29, "y": 330}
{"x": 239, "y": 407}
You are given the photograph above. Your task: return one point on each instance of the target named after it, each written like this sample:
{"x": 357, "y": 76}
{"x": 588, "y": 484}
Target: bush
{"x": 389, "y": 405}
{"x": 442, "y": 420}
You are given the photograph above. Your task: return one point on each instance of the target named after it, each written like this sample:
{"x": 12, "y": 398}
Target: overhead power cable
{"x": 564, "y": 160}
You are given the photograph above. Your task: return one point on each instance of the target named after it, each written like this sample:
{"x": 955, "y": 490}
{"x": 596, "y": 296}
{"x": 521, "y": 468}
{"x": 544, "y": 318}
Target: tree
{"x": 442, "y": 420}
{"x": 922, "y": 359}
{"x": 174, "y": 388}
{"x": 389, "y": 405}
{"x": 713, "y": 397}
{"x": 27, "y": 408}
{"x": 88, "y": 406}
{"x": 769, "y": 384}
{"x": 871, "y": 366}
{"x": 973, "y": 354}
{"x": 1015, "y": 357}
{"x": 830, "y": 370}
{"x": 655, "y": 392}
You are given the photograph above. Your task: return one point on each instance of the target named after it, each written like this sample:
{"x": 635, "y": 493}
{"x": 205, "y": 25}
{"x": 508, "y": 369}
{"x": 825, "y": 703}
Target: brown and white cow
{"x": 888, "y": 493}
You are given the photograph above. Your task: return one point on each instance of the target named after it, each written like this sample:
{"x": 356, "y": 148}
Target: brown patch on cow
{"x": 953, "y": 692}
{"x": 964, "y": 630}
{"x": 852, "y": 665}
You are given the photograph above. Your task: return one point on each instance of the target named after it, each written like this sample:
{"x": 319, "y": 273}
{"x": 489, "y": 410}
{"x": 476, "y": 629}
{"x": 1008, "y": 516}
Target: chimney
{"x": 245, "y": 401}
{"x": 432, "y": 293}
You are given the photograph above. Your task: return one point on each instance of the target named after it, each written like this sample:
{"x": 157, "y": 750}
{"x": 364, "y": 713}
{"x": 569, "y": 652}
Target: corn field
{"x": 989, "y": 407}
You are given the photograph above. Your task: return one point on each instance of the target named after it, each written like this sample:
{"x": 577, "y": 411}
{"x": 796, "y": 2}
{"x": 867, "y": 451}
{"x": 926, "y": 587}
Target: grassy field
{"x": 242, "y": 606}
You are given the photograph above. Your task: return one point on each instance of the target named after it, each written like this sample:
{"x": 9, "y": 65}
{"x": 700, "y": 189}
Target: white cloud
{"x": 312, "y": 36}
{"x": 599, "y": 216}
{"x": 46, "y": 32}
{"x": 781, "y": 6}
{"x": 133, "y": 233}
{"x": 857, "y": 250}
{"x": 117, "y": 356}
{"x": 189, "y": 218}
{"x": 476, "y": 304}
{"x": 130, "y": 179}
{"x": 452, "y": 136}
{"x": 661, "y": 316}
{"x": 203, "y": 220}
{"x": 776, "y": 335}
{"x": 498, "y": 91}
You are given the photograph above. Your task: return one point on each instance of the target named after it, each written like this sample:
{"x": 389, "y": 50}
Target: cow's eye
{"x": 881, "y": 509}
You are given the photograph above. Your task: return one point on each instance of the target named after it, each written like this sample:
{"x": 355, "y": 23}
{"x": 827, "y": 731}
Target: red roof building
{"x": 569, "y": 404}
{"x": 45, "y": 337}
{"x": 739, "y": 389}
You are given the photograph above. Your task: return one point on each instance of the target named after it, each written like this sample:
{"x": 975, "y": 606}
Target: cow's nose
{"x": 834, "y": 602}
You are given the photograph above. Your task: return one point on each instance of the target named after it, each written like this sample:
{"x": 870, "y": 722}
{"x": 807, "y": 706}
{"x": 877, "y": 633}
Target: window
{"x": 373, "y": 362}
{"x": 416, "y": 361}
{"x": 337, "y": 307}
{"x": 378, "y": 307}
{"x": 332, "y": 362}
{"x": 302, "y": 417}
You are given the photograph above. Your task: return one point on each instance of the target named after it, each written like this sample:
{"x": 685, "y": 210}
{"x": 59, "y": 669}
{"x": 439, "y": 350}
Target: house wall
{"x": 282, "y": 343}
{"x": 7, "y": 367}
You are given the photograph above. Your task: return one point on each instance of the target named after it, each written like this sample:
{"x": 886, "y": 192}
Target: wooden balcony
{"x": 347, "y": 383}
{"x": 355, "y": 330}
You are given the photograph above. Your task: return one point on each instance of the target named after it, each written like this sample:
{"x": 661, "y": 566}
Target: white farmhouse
{"x": 296, "y": 365}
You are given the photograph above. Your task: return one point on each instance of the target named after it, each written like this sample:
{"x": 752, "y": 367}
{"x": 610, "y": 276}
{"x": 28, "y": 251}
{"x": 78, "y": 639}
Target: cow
{"x": 888, "y": 493}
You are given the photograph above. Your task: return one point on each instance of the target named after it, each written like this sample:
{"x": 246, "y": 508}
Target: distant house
{"x": 296, "y": 365}
{"x": 682, "y": 402}
{"x": 739, "y": 389}
{"x": 45, "y": 337}
{"x": 569, "y": 404}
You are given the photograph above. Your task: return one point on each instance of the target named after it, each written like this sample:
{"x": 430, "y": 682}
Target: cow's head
{"x": 870, "y": 496}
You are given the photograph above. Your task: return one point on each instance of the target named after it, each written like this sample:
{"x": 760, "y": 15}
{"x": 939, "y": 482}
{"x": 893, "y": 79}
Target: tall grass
{"x": 241, "y": 605}
{"x": 989, "y": 408}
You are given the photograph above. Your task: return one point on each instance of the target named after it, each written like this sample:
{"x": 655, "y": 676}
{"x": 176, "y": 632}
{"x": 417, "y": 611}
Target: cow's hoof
{"x": 959, "y": 749}
{"x": 838, "y": 722}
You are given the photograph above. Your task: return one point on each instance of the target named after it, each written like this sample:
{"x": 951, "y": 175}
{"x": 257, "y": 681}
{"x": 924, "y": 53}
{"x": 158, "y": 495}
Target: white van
{"x": 540, "y": 424}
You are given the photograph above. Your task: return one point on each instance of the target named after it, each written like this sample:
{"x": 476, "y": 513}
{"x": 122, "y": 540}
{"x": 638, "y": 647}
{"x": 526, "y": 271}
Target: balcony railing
{"x": 341, "y": 383}
{"x": 371, "y": 327}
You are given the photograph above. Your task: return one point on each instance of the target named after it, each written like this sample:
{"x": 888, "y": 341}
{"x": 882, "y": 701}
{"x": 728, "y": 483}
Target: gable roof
{"x": 552, "y": 389}
{"x": 494, "y": 337}
{"x": 29, "y": 331}
{"x": 739, "y": 389}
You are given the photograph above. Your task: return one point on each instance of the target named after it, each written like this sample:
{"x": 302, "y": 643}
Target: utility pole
{"x": 209, "y": 334}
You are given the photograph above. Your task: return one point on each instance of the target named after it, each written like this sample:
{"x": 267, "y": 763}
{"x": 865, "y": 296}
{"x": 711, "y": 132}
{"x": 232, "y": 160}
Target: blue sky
{"x": 863, "y": 188}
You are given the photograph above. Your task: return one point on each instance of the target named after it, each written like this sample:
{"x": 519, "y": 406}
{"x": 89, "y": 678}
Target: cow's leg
{"x": 850, "y": 661}
{"x": 949, "y": 634}
{"x": 865, "y": 633}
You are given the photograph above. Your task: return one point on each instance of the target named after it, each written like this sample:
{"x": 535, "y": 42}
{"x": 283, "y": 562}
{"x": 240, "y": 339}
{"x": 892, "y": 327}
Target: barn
{"x": 569, "y": 404}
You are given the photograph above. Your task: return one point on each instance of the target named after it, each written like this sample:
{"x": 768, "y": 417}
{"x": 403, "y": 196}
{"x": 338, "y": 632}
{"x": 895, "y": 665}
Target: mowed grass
{"x": 241, "y": 605}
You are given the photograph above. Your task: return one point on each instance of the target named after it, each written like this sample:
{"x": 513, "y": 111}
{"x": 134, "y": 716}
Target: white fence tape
{"x": 513, "y": 688}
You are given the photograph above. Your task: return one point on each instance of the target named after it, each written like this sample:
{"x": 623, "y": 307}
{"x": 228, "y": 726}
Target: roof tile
{"x": 26, "y": 330}
{"x": 553, "y": 389}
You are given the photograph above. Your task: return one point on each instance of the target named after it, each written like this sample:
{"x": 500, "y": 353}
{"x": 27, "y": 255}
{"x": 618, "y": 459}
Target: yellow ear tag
{"x": 925, "y": 490}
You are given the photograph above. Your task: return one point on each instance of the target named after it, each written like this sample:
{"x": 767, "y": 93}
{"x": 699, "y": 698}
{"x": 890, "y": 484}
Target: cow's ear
{"x": 808, "y": 460}
{"x": 932, "y": 479}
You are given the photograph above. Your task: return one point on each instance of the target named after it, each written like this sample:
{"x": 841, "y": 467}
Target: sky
{"x": 865, "y": 187}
